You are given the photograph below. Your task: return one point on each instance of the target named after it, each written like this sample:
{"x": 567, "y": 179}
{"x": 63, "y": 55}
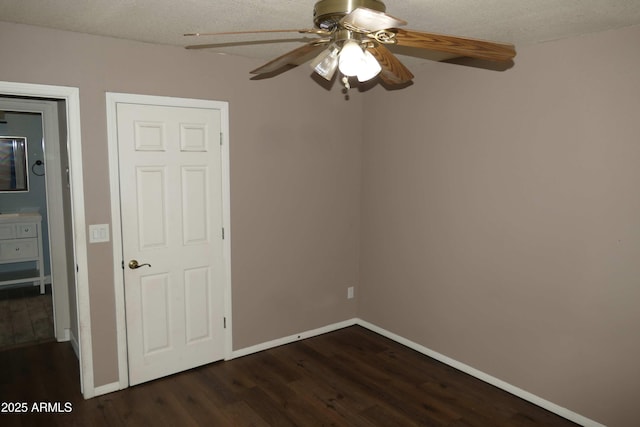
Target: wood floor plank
{"x": 337, "y": 409}
{"x": 352, "y": 377}
{"x": 395, "y": 398}
{"x": 201, "y": 399}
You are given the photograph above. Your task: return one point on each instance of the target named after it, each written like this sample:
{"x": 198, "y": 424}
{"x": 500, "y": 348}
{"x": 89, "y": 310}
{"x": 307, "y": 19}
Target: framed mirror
{"x": 13, "y": 164}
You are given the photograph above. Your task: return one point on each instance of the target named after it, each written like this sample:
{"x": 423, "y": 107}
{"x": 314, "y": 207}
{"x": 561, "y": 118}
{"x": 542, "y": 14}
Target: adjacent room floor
{"x": 26, "y": 317}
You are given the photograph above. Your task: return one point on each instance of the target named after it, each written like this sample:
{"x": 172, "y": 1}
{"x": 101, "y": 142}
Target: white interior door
{"x": 171, "y": 213}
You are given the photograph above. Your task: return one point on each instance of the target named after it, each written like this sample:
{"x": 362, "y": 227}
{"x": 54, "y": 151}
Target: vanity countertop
{"x": 19, "y": 217}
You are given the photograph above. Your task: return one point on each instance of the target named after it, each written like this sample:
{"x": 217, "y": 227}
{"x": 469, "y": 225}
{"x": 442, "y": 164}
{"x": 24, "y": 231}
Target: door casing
{"x": 112, "y": 100}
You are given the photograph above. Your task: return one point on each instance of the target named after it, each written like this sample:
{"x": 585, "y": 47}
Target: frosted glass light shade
{"x": 369, "y": 67}
{"x": 326, "y": 63}
{"x": 350, "y": 59}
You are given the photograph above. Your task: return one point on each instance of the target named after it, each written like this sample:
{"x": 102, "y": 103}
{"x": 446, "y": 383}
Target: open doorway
{"x": 71, "y": 224}
{"x": 26, "y": 304}
{"x": 42, "y": 202}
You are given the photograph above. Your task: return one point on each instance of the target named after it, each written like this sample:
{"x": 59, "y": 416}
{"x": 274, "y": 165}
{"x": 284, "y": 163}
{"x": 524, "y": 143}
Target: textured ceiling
{"x": 522, "y": 22}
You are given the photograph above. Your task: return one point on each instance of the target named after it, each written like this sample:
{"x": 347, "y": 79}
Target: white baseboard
{"x": 292, "y": 338}
{"x": 105, "y": 389}
{"x": 65, "y": 336}
{"x": 516, "y": 391}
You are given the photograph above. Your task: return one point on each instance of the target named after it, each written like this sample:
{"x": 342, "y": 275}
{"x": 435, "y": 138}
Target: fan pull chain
{"x": 347, "y": 86}
{"x": 345, "y": 82}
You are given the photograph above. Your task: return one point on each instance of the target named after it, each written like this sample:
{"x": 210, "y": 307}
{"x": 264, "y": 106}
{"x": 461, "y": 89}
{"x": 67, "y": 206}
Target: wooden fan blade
{"x": 248, "y": 42}
{"x": 367, "y": 20}
{"x": 393, "y": 71}
{"x": 461, "y": 46}
{"x": 293, "y": 58}
{"x": 302, "y": 31}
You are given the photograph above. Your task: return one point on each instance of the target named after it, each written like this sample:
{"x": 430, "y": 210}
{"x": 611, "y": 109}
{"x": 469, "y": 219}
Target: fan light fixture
{"x": 351, "y": 60}
{"x": 370, "y": 67}
{"x": 326, "y": 63}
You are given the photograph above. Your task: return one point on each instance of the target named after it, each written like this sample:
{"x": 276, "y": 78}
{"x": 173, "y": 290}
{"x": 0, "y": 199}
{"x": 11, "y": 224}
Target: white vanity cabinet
{"x": 21, "y": 245}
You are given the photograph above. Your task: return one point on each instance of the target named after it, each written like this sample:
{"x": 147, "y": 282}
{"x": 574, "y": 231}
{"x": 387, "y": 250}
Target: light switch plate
{"x": 98, "y": 233}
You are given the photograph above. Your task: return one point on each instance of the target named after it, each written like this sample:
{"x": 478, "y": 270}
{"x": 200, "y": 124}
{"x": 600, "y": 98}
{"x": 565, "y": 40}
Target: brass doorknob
{"x": 133, "y": 264}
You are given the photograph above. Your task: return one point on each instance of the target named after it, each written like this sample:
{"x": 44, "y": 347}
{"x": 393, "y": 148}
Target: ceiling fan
{"x": 353, "y": 36}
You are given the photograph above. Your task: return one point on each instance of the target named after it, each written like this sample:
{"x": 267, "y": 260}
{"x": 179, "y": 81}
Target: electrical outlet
{"x": 350, "y": 292}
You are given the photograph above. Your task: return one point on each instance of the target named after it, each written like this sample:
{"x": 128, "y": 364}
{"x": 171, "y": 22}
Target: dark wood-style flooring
{"x": 351, "y": 377}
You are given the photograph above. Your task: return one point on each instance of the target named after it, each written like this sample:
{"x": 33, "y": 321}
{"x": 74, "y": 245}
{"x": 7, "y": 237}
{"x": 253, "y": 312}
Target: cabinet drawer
{"x": 7, "y": 232}
{"x": 26, "y": 230}
{"x": 18, "y": 249}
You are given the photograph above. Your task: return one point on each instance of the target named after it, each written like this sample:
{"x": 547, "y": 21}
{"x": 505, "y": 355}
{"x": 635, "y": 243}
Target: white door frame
{"x": 112, "y": 131}
{"x": 71, "y": 96}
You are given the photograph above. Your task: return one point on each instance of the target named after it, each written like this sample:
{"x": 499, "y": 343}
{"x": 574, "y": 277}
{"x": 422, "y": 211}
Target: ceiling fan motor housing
{"x": 327, "y": 13}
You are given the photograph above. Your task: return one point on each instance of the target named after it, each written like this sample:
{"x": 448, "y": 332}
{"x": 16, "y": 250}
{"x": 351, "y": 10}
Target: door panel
{"x": 156, "y": 313}
{"x": 171, "y": 209}
{"x": 197, "y": 288}
{"x": 152, "y": 207}
{"x": 194, "y": 206}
